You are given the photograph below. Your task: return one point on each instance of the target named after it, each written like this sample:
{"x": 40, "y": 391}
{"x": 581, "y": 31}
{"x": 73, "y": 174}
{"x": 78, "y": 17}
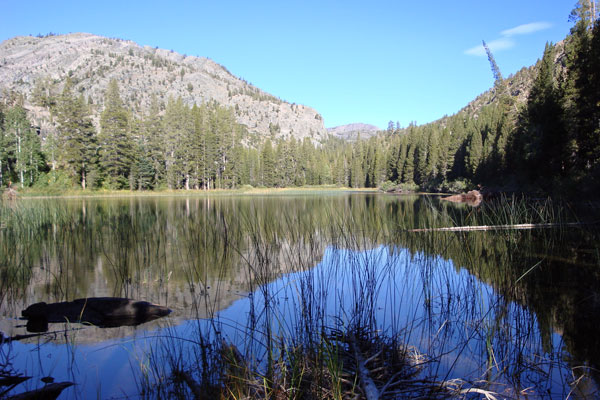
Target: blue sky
{"x": 353, "y": 61}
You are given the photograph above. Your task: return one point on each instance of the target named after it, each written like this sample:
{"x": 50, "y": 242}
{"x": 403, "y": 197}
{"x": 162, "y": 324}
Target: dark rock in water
{"x": 99, "y": 311}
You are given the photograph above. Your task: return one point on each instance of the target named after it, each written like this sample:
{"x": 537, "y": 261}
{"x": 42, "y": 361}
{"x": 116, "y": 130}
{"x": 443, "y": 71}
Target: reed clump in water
{"x": 304, "y": 336}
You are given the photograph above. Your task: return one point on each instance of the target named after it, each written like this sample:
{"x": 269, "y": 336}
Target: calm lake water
{"x": 518, "y": 309}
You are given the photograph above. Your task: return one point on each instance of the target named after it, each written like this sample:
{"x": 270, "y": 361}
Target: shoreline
{"x": 197, "y": 193}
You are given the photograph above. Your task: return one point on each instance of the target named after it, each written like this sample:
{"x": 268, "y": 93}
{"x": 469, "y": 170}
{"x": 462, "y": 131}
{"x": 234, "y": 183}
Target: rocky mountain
{"x": 40, "y": 65}
{"x": 351, "y": 132}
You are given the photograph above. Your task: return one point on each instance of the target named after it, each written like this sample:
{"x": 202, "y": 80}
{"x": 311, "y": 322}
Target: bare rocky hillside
{"x": 352, "y": 132}
{"x": 92, "y": 61}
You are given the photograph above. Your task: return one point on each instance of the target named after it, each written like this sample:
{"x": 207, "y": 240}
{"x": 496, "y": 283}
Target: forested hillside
{"x": 547, "y": 141}
{"x": 537, "y": 131}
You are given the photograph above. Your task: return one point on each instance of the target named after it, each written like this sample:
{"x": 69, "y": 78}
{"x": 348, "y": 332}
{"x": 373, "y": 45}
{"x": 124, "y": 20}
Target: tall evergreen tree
{"x": 357, "y": 175}
{"x": 116, "y": 145}
{"x": 408, "y": 171}
{"x": 175, "y": 133}
{"x": 79, "y": 145}
{"x": 151, "y": 141}
{"x": 474, "y": 153}
{"x": 267, "y": 160}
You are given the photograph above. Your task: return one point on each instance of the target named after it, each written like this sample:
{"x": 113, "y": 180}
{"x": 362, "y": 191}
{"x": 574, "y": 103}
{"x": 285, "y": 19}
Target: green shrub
{"x": 55, "y": 180}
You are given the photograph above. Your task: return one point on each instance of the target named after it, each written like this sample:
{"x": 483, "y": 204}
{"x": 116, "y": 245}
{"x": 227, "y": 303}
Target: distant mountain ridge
{"x": 92, "y": 61}
{"x": 353, "y": 131}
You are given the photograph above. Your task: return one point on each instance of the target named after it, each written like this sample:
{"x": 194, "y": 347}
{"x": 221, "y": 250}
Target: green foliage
{"x": 116, "y": 145}
{"x": 267, "y": 159}
{"x": 77, "y": 135}
{"x": 21, "y": 157}
{"x": 474, "y": 153}
{"x": 456, "y": 186}
{"x": 55, "y": 181}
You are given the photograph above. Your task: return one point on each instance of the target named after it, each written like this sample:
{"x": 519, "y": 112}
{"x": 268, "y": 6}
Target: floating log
{"x": 100, "y": 311}
{"x": 497, "y": 227}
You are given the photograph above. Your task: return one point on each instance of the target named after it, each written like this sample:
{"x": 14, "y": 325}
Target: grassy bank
{"x": 247, "y": 190}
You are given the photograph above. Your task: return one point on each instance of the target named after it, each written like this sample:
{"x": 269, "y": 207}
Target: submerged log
{"x": 100, "y": 311}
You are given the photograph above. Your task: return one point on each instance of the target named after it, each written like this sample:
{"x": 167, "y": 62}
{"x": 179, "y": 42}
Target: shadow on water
{"x": 273, "y": 286}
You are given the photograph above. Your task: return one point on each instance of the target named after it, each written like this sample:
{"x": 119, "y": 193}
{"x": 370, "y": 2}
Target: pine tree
{"x": 267, "y": 160}
{"x": 151, "y": 141}
{"x": 357, "y": 175}
{"x": 401, "y": 161}
{"x": 474, "y": 153}
{"x": 433, "y": 155}
{"x": 79, "y": 145}
{"x": 445, "y": 159}
{"x": 116, "y": 146}
{"x": 144, "y": 171}
{"x": 421, "y": 170}
{"x": 175, "y": 125}
{"x": 408, "y": 170}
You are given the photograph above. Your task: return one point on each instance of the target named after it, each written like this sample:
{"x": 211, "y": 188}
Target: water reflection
{"x": 485, "y": 305}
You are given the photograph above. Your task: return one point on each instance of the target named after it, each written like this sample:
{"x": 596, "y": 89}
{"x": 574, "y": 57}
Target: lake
{"x": 512, "y": 312}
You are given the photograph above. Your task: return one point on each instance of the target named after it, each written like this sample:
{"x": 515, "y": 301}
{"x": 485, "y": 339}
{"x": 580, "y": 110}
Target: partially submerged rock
{"x": 99, "y": 311}
{"x": 473, "y": 198}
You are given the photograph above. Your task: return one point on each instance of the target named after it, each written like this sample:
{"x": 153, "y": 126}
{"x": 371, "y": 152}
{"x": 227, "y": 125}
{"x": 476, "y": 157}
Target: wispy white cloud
{"x": 494, "y": 45}
{"x": 507, "y": 41}
{"x": 526, "y": 29}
